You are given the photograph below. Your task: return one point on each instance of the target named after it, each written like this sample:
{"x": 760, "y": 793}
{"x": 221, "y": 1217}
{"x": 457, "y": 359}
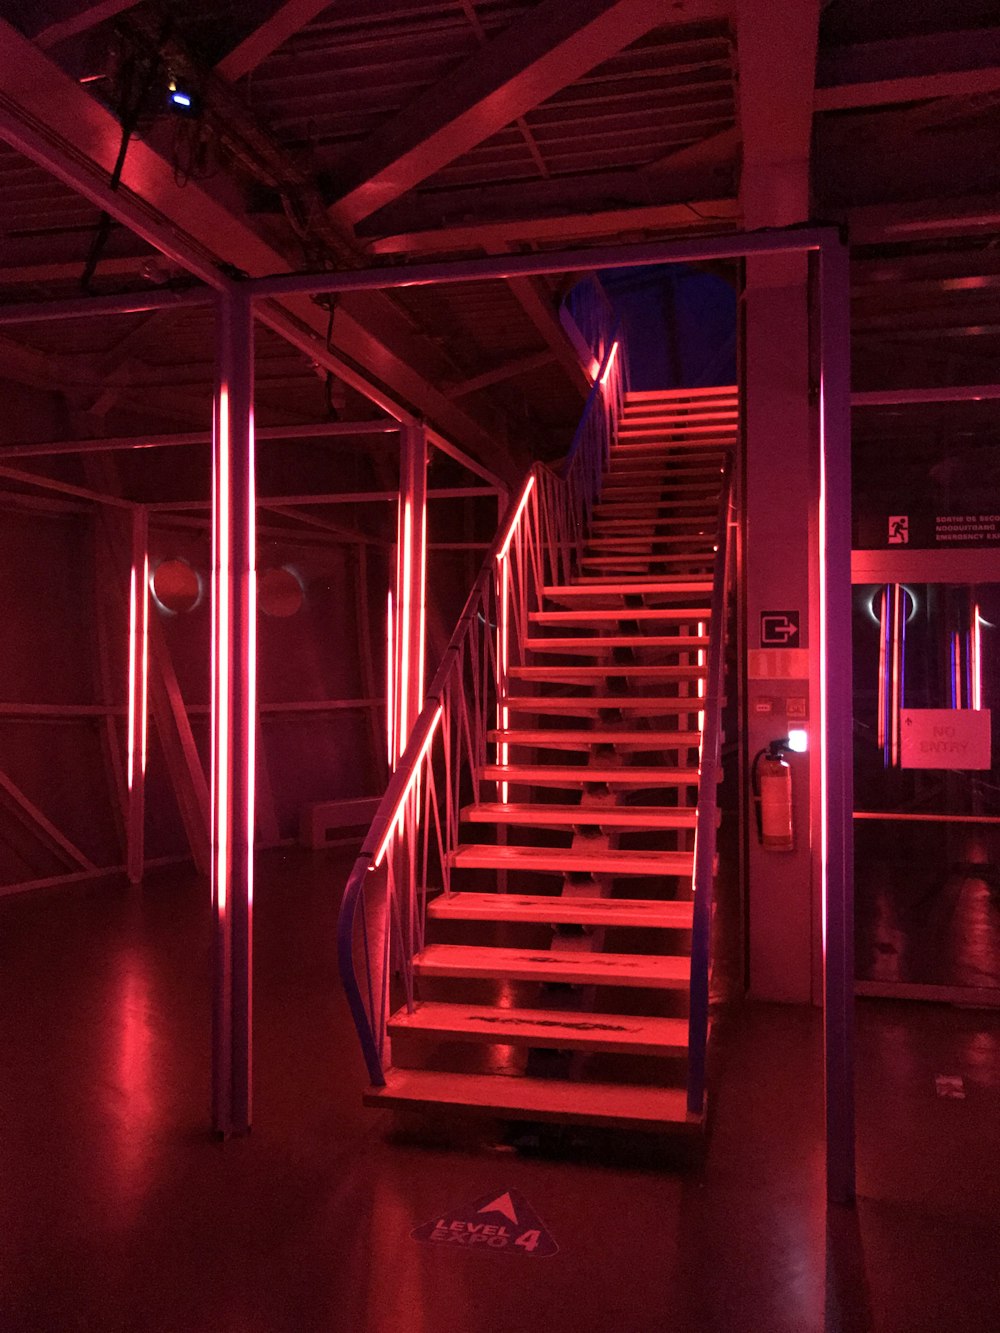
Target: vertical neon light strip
{"x": 132, "y": 634}
{"x": 390, "y": 699}
{"x": 404, "y": 628}
{"x": 222, "y": 658}
{"x": 956, "y": 670}
{"x": 701, "y": 679}
{"x": 824, "y": 712}
{"x": 896, "y": 671}
{"x": 250, "y": 717}
{"x": 144, "y": 678}
{"x": 883, "y": 629}
{"x": 977, "y": 663}
{"x": 503, "y": 658}
{"x": 422, "y": 652}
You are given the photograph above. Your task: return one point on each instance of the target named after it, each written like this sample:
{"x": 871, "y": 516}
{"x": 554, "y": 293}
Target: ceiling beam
{"x": 563, "y": 227}
{"x": 536, "y": 56}
{"x": 46, "y": 115}
{"x": 925, "y": 220}
{"x": 908, "y": 88}
{"x": 290, "y": 17}
{"x": 776, "y": 109}
{"x": 531, "y": 296}
{"x": 86, "y": 17}
{"x": 524, "y": 365}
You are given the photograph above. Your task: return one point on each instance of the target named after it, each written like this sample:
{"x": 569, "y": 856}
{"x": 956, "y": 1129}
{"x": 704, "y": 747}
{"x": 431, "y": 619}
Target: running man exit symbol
{"x": 779, "y": 629}
{"x": 899, "y": 529}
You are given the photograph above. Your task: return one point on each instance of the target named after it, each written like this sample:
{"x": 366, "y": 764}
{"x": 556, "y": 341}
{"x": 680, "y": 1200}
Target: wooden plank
{"x": 630, "y": 1034}
{"x": 631, "y": 561}
{"x": 565, "y": 860}
{"x": 656, "y": 971}
{"x": 626, "y": 1106}
{"x": 594, "y": 644}
{"x": 547, "y": 738}
{"x": 651, "y": 705}
{"x": 675, "y": 395}
{"x": 656, "y": 914}
{"x": 562, "y": 775}
{"x": 600, "y": 615}
{"x": 587, "y": 814}
{"x": 616, "y": 588}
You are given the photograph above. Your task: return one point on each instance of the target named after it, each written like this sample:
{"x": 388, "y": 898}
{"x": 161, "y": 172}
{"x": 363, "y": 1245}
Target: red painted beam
{"x": 552, "y": 46}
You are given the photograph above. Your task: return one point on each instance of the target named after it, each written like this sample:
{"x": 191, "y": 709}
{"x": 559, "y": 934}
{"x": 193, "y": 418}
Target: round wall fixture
{"x": 279, "y": 592}
{"x": 175, "y": 586}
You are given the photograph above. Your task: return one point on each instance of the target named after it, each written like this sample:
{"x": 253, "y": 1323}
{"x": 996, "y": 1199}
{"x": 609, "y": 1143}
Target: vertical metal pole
{"x": 837, "y": 828}
{"x": 409, "y": 639}
{"x": 138, "y": 694}
{"x": 234, "y": 609}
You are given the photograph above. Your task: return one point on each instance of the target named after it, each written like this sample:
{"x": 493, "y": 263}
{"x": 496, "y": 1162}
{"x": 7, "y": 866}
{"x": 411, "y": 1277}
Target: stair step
{"x": 569, "y": 775}
{"x": 648, "y": 511}
{"x": 680, "y": 395}
{"x": 607, "y": 588}
{"x": 598, "y": 644}
{"x": 704, "y": 538}
{"x": 601, "y": 615}
{"x": 653, "y": 706}
{"x": 657, "y": 971}
{"x": 570, "y": 861}
{"x": 678, "y": 416}
{"x": 632, "y": 561}
{"x": 545, "y": 738}
{"x": 600, "y": 673}
{"x": 557, "y": 910}
{"x": 627, "y": 472}
{"x": 638, "y": 527}
{"x": 612, "y": 1033}
{"x": 588, "y": 814}
{"x": 621, "y": 1105}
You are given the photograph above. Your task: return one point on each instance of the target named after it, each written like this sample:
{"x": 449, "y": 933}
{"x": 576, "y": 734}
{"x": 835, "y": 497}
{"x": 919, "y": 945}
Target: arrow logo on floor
{"x": 472, "y": 1227}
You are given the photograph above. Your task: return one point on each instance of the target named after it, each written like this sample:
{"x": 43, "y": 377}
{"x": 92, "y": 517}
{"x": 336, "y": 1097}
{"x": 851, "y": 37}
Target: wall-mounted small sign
{"x": 779, "y": 629}
{"x": 945, "y": 738}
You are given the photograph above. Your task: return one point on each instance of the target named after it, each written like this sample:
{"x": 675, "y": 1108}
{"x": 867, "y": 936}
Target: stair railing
{"x": 703, "y": 878}
{"x": 416, "y": 828}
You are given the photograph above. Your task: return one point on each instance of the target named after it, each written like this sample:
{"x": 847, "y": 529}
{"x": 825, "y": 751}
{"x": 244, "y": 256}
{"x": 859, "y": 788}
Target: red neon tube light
{"x": 131, "y": 680}
{"x": 611, "y": 362}
{"x": 509, "y": 536}
{"x": 397, "y": 814}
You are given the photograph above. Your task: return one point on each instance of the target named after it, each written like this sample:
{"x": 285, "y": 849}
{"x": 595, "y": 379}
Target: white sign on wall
{"x": 944, "y": 738}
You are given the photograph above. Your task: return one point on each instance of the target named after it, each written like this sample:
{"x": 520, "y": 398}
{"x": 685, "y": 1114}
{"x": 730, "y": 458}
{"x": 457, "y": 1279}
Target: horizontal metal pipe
{"x": 312, "y": 431}
{"x": 958, "y": 393}
{"x": 127, "y": 303}
{"x": 730, "y": 246}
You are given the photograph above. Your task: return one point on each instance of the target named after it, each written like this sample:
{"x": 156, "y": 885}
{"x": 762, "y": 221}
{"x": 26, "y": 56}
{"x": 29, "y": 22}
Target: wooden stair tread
{"x": 548, "y": 738}
{"x": 628, "y": 1106}
{"x": 566, "y": 860}
{"x": 581, "y": 706}
{"x": 656, "y": 914}
{"x": 625, "y": 1033}
{"x": 594, "y": 673}
{"x": 636, "y": 613}
{"x": 656, "y": 971}
{"x": 633, "y": 775}
{"x": 630, "y": 560}
{"x": 601, "y": 643}
{"x": 587, "y": 814}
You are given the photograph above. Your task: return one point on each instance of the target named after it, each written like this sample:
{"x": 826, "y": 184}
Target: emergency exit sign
{"x": 944, "y": 738}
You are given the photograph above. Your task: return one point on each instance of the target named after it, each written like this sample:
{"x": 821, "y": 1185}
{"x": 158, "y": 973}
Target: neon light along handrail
{"x": 704, "y": 852}
{"x": 540, "y": 536}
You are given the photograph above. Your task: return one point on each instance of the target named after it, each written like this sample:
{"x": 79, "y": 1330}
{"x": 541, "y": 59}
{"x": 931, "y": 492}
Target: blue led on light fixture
{"x": 182, "y": 100}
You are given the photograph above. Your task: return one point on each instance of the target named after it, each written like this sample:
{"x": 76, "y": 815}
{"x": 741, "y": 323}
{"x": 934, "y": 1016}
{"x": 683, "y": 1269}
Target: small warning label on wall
{"x": 498, "y": 1223}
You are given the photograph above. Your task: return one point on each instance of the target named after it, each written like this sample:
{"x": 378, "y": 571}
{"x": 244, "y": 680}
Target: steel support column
{"x": 409, "y": 602}
{"x": 138, "y": 694}
{"x": 837, "y": 705}
{"x": 234, "y": 710}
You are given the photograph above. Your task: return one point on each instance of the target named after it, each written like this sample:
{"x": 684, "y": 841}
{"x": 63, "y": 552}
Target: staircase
{"x": 553, "y": 978}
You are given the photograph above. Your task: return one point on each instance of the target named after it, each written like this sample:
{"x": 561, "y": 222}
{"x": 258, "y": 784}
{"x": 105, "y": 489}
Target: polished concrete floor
{"x": 119, "y": 1212}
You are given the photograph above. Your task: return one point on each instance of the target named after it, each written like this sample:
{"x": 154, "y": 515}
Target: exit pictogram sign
{"x": 779, "y": 629}
{"x": 497, "y": 1223}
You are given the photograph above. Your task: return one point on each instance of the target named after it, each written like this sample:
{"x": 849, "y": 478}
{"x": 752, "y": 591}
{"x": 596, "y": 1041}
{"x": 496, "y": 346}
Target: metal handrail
{"x": 705, "y": 829}
{"x": 539, "y": 540}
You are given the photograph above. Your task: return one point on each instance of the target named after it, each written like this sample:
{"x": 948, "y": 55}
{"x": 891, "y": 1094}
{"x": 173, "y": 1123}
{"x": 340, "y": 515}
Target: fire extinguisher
{"x": 771, "y": 780}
